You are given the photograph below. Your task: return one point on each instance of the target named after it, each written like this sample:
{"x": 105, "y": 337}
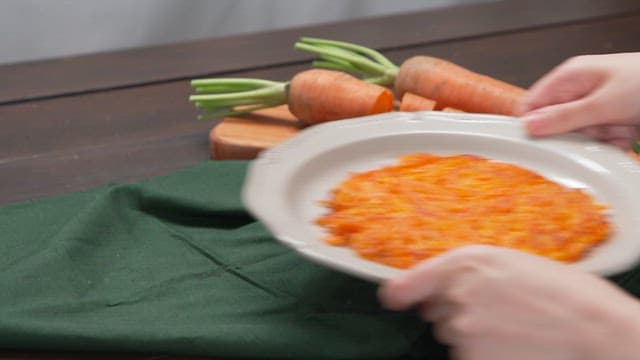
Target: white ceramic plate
{"x": 285, "y": 184}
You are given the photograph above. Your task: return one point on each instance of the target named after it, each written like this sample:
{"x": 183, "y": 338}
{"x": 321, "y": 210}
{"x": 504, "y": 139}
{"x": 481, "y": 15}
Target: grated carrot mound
{"x": 427, "y": 204}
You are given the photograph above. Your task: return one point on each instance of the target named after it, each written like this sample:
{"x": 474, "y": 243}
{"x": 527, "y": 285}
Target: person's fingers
{"x": 610, "y": 132}
{"x": 622, "y": 136}
{"x": 417, "y": 284}
{"x": 624, "y": 144}
{"x": 565, "y": 117}
{"x": 565, "y": 83}
{"x": 455, "y": 329}
{"x": 594, "y": 131}
{"x": 494, "y": 350}
{"x": 437, "y": 311}
{"x": 444, "y": 333}
{"x": 432, "y": 278}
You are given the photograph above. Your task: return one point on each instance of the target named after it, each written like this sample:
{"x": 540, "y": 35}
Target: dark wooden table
{"x": 78, "y": 122}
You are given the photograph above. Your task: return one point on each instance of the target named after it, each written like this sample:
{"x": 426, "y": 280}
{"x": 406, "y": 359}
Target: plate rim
{"x": 403, "y": 123}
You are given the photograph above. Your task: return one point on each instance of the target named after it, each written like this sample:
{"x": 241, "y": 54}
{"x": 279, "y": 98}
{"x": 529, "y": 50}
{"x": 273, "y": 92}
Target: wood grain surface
{"x": 69, "y": 143}
{"x": 244, "y": 137}
{"x": 134, "y": 67}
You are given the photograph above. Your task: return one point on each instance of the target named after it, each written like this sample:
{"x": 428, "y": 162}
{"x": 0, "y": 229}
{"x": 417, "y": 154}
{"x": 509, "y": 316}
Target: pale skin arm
{"x": 491, "y": 303}
{"x": 593, "y": 94}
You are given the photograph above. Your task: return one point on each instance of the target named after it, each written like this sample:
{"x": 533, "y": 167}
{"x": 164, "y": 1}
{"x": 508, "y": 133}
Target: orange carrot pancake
{"x": 427, "y": 204}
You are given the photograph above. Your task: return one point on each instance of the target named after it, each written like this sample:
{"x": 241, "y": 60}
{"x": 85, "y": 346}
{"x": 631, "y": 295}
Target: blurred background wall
{"x": 40, "y": 29}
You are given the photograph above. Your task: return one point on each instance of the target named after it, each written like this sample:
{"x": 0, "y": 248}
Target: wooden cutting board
{"x": 243, "y": 137}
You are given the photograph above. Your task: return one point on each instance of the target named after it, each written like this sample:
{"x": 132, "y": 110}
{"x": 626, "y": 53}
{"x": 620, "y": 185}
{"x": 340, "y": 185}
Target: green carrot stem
{"x": 240, "y": 82}
{"x": 347, "y": 66}
{"x": 235, "y": 96}
{"x": 222, "y": 88}
{"x": 227, "y": 103}
{"x": 230, "y": 112}
{"x": 373, "y": 54}
{"x": 333, "y": 65}
{"x": 352, "y": 58}
{"x": 380, "y": 80}
{"x": 636, "y": 147}
{"x": 367, "y": 67}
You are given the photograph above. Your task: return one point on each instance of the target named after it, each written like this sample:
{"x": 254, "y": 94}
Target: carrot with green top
{"x": 313, "y": 96}
{"x": 448, "y": 84}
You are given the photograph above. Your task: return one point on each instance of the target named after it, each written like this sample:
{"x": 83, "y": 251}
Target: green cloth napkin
{"x": 175, "y": 265}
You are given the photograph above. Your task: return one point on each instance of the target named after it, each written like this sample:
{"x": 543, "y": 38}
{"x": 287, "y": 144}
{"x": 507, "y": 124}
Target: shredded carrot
{"x": 427, "y": 204}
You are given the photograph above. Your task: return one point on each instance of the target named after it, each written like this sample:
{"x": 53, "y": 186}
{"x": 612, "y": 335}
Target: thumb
{"x": 565, "y": 117}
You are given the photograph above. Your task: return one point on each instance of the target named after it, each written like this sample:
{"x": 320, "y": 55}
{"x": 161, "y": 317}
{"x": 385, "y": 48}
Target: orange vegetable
{"x": 427, "y": 204}
{"x": 412, "y": 102}
{"x": 320, "y": 95}
{"x": 448, "y": 84}
{"x": 450, "y": 109}
{"x": 313, "y": 96}
{"x": 453, "y": 86}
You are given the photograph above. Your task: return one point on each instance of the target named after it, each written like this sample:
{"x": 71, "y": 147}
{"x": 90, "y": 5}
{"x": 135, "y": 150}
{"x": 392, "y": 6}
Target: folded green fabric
{"x": 175, "y": 265}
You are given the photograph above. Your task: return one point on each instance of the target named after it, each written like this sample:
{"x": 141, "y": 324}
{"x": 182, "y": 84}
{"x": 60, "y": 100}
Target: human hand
{"x": 594, "y": 94}
{"x": 496, "y": 303}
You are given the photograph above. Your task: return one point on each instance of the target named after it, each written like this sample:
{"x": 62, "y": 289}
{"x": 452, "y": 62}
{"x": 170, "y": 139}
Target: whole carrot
{"x": 448, "y": 84}
{"x": 454, "y": 86}
{"x": 321, "y": 95}
{"x": 313, "y": 96}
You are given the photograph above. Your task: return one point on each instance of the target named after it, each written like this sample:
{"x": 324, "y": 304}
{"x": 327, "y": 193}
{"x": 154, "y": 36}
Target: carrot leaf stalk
{"x": 234, "y": 96}
{"x": 636, "y": 147}
{"x": 371, "y": 65}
